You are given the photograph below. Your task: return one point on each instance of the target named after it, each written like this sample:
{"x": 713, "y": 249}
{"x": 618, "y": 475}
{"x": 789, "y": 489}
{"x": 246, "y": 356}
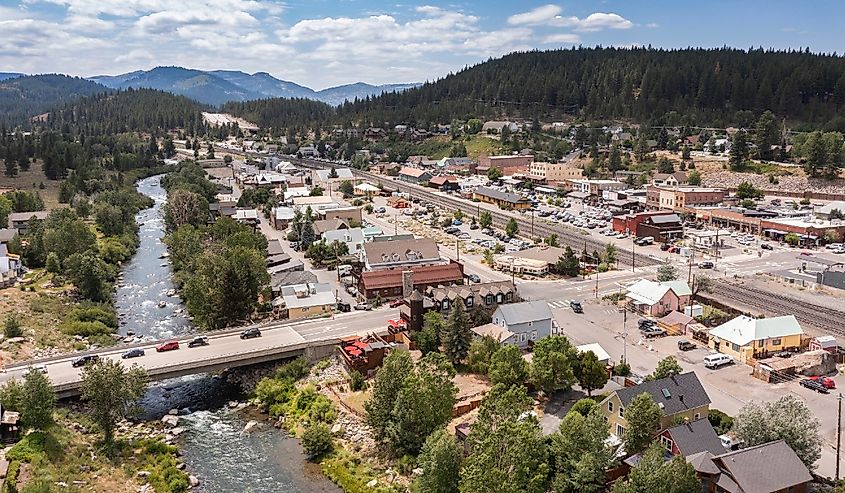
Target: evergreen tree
{"x": 766, "y": 135}
{"x": 591, "y": 374}
{"x": 440, "y": 461}
{"x": 457, "y": 336}
{"x": 739, "y": 151}
{"x": 568, "y": 264}
{"x": 508, "y": 367}
{"x": 386, "y": 386}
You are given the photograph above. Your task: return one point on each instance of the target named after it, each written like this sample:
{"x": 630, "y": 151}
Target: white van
{"x": 344, "y": 269}
{"x": 716, "y": 360}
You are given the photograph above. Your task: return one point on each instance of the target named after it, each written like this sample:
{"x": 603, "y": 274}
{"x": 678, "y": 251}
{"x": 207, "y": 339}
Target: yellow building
{"x": 744, "y": 338}
{"x": 679, "y": 397}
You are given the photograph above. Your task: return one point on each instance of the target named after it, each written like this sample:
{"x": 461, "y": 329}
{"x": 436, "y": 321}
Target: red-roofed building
{"x": 444, "y": 182}
{"x": 388, "y": 283}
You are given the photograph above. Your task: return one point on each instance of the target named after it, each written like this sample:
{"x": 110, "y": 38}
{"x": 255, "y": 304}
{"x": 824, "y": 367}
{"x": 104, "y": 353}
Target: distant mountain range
{"x": 9, "y": 75}
{"x": 217, "y": 87}
{"x": 24, "y": 96}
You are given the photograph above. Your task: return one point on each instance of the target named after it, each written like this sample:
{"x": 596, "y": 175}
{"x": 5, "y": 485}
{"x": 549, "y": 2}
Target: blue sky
{"x": 321, "y": 43}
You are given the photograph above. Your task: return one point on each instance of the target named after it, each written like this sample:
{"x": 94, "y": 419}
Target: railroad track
{"x": 535, "y": 227}
{"x": 822, "y": 317}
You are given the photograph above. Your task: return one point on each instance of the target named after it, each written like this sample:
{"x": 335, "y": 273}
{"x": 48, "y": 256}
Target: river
{"x": 213, "y": 447}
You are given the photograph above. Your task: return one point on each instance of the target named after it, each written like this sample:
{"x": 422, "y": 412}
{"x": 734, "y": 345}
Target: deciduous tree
{"x": 112, "y": 391}
{"x": 582, "y": 456}
{"x": 508, "y": 367}
{"x": 591, "y": 374}
{"x": 480, "y": 353}
{"x": 789, "y": 419}
{"x": 37, "y": 400}
{"x": 440, "y": 461}
{"x": 666, "y": 367}
{"x": 654, "y": 475}
{"x": 389, "y": 380}
{"x": 643, "y": 417}
{"x": 666, "y": 272}
{"x": 552, "y": 365}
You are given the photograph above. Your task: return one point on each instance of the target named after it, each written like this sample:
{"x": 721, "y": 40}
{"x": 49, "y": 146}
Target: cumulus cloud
{"x": 562, "y": 38}
{"x": 549, "y": 15}
{"x": 535, "y": 17}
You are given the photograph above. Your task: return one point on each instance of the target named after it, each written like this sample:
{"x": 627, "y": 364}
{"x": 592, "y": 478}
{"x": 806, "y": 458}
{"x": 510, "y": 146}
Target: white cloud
{"x": 598, "y": 21}
{"x": 137, "y": 55}
{"x": 562, "y": 38}
{"x": 535, "y": 17}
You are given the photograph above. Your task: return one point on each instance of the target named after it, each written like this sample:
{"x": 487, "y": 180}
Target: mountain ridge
{"x": 217, "y": 87}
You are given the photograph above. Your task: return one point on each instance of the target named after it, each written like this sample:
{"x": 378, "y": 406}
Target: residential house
{"x": 316, "y": 203}
{"x": 278, "y": 280}
{"x": 352, "y": 237}
{"x": 402, "y": 254}
{"x": 622, "y": 138}
{"x": 658, "y": 298}
{"x": 19, "y": 221}
{"x": 352, "y": 215}
{"x": 745, "y": 338}
{"x": 679, "y": 397}
{"x": 308, "y": 300}
{"x": 496, "y": 127}
{"x": 324, "y": 175}
{"x": 321, "y": 226}
{"x": 595, "y": 348}
{"x": 220, "y": 209}
{"x": 414, "y": 175}
{"x": 690, "y": 438}
{"x": 246, "y": 216}
{"x": 522, "y": 324}
{"x": 392, "y": 283}
{"x": 444, "y": 183}
{"x": 505, "y": 200}
{"x": 282, "y": 217}
{"x": 767, "y": 468}
{"x": 669, "y": 179}
{"x": 366, "y": 190}
{"x": 535, "y": 260}
{"x": 676, "y": 323}
{"x": 363, "y": 354}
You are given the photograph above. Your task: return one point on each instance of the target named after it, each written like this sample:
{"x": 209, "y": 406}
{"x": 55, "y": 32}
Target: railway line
{"x": 822, "y": 317}
{"x": 530, "y": 227}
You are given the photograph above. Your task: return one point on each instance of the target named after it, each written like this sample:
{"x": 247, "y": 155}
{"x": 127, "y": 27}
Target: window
{"x": 621, "y": 412}
{"x": 533, "y": 335}
{"x": 445, "y": 304}
{"x": 499, "y": 298}
{"x": 510, "y": 296}
{"x": 488, "y": 300}
{"x": 620, "y": 430}
{"x": 666, "y": 442}
{"x": 775, "y": 342}
{"x": 470, "y": 301}
{"x": 735, "y": 347}
{"x": 610, "y": 406}
{"x": 696, "y": 416}
{"x": 530, "y": 324}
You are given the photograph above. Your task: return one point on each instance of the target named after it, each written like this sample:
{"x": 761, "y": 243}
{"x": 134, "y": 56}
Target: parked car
{"x": 474, "y": 278}
{"x": 706, "y": 265}
{"x": 457, "y": 222}
{"x": 649, "y": 332}
{"x": 133, "y": 353}
{"x": 198, "y": 341}
{"x": 487, "y": 231}
{"x": 714, "y": 361}
{"x": 766, "y": 246}
{"x": 397, "y": 302}
{"x": 352, "y": 290}
{"x": 380, "y": 210}
{"x": 84, "y": 360}
{"x": 167, "y": 346}
{"x": 463, "y": 236}
{"x": 828, "y": 382}
{"x": 645, "y": 240}
{"x": 251, "y": 333}
{"x": 576, "y": 306}
{"x": 363, "y": 306}
{"x": 783, "y": 354}
{"x": 814, "y": 385}
{"x": 685, "y": 345}
{"x": 645, "y": 322}
{"x": 473, "y": 226}
{"x": 450, "y": 230}
{"x": 344, "y": 307}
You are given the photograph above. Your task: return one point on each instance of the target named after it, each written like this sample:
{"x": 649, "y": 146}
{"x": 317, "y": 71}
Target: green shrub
{"x": 622, "y": 369}
{"x": 94, "y": 312}
{"x": 12, "y": 327}
{"x": 322, "y": 410}
{"x": 721, "y": 422}
{"x": 316, "y": 440}
{"x": 357, "y": 382}
{"x": 294, "y": 370}
{"x": 35, "y": 445}
{"x": 10, "y": 484}
{"x": 270, "y": 391}
{"x": 85, "y": 328}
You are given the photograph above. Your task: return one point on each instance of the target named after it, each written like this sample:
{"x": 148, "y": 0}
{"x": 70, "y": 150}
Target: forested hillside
{"x": 283, "y": 112}
{"x": 692, "y": 86}
{"x": 24, "y": 97}
{"x": 143, "y": 110}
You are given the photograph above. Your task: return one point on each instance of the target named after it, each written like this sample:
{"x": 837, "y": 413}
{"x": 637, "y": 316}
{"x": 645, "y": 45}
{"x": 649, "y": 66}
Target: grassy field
{"x": 33, "y": 180}
{"x": 479, "y": 144}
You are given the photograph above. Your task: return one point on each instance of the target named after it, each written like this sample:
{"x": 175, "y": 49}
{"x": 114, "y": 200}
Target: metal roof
{"x": 742, "y": 330}
{"x": 527, "y": 311}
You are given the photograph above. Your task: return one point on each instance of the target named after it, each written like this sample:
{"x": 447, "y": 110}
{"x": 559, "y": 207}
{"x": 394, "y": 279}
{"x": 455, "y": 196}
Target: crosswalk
{"x": 559, "y": 304}
{"x": 564, "y": 305}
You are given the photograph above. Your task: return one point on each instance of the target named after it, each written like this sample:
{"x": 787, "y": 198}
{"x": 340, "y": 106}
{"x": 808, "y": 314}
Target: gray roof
{"x": 274, "y": 247}
{"x": 494, "y": 194}
{"x": 665, "y": 219}
{"x": 684, "y": 390}
{"x": 402, "y": 250}
{"x": 527, "y": 311}
{"x": 6, "y": 234}
{"x": 288, "y": 278}
{"x": 772, "y": 466}
{"x": 26, "y": 216}
{"x": 696, "y": 436}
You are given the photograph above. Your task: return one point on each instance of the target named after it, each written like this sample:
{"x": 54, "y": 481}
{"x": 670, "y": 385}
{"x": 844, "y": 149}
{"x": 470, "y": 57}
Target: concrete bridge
{"x": 315, "y": 339}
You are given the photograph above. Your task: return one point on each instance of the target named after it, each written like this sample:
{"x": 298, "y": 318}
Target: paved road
{"x": 229, "y": 344}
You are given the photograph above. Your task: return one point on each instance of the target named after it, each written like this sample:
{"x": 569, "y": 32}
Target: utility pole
{"x": 624, "y": 333}
{"x": 458, "y": 249}
{"x": 532, "y": 225}
{"x": 597, "y": 282}
{"x": 633, "y": 255}
{"x": 716, "y": 249}
{"x": 691, "y": 260}
{"x": 838, "y": 433}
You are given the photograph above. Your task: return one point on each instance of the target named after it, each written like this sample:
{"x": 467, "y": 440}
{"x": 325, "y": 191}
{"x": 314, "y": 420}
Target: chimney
{"x": 407, "y": 283}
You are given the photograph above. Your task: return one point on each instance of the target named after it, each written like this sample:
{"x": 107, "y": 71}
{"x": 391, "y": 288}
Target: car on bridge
{"x": 132, "y": 353}
{"x": 167, "y": 346}
{"x": 251, "y": 333}
{"x": 41, "y": 368}
{"x": 84, "y": 360}
{"x": 198, "y": 341}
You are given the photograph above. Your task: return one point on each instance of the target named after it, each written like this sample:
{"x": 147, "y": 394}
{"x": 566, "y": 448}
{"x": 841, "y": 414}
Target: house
{"x": 676, "y": 323}
{"x": 278, "y": 280}
{"x": 690, "y": 438}
{"x": 444, "y": 183}
{"x": 323, "y": 225}
{"x": 308, "y": 151}
{"x": 20, "y": 220}
{"x": 504, "y": 200}
{"x": 308, "y": 300}
{"x": 392, "y": 283}
{"x": 246, "y": 216}
{"x": 401, "y": 254}
{"x": 316, "y": 203}
{"x": 324, "y": 175}
{"x": 669, "y": 179}
{"x": 366, "y": 190}
{"x": 662, "y": 227}
{"x": 352, "y": 237}
{"x": 658, "y": 298}
{"x": 535, "y": 260}
{"x": 745, "y": 338}
{"x": 496, "y": 127}
{"x": 9, "y": 428}
{"x": 679, "y": 397}
{"x": 352, "y": 215}
{"x": 398, "y": 202}
{"x": 527, "y": 322}
{"x": 488, "y": 295}
{"x": 282, "y": 217}
{"x": 767, "y": 468}
{"x": 414, "y": 175}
